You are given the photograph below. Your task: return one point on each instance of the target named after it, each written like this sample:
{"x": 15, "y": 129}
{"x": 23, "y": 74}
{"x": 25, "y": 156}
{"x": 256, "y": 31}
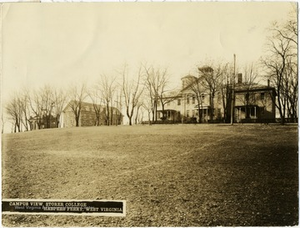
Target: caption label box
{"x": 58, "y": 207}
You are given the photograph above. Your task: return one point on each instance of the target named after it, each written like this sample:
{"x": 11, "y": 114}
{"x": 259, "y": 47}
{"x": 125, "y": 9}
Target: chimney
{"x": 268, "y": 82}
{"x": 240, "y": 78}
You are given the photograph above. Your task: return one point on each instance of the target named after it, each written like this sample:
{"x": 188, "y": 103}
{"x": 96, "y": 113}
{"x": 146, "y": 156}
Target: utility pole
{"x": 232, "y": 93}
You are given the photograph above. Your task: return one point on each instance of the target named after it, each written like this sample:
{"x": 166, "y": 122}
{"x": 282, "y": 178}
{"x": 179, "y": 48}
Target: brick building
{"x": 91, "y": 115}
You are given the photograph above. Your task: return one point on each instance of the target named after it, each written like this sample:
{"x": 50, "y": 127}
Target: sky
{"x": 62, "y": 43}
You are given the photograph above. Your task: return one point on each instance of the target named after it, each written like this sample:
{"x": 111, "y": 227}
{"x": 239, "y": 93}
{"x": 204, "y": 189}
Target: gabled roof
{"x": 174, "y": 93}
{"x": 87, "y": 104}
{"x": 244, "y": 87}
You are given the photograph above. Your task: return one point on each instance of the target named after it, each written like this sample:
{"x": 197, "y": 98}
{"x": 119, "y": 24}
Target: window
{"x": 262, "y": 96}
{"x": 187, "y": 100}
{"x": 193, "y": 101}
{"x": 179, "y": 101}
{"x": 187, "y": 113}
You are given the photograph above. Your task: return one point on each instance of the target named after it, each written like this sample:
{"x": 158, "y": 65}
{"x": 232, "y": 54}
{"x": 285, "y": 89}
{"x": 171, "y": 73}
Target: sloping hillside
{"x": 170, "y": 175}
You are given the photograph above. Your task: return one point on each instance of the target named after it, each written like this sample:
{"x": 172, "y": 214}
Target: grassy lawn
{"x": 169, "y": 175}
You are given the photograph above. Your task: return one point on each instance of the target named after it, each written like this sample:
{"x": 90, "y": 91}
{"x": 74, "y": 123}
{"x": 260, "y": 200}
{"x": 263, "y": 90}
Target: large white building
{"x": 197, "y": 101}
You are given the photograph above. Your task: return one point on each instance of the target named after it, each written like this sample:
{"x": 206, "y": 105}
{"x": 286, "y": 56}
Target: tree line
{"x": 281, "y": 66}
{"x": 141, "y": 91}
{"x": 126, "y": 90}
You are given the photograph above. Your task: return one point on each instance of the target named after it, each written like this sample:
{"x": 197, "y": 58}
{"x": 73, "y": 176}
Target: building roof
{"x": 87, "y": 104}
{"x": 173, "y": 94}
{"x": 243, "y": 87}
{"x": 192, "y": 80}
{"x": 206, "y": 69}
{"x": 188, "y": 76}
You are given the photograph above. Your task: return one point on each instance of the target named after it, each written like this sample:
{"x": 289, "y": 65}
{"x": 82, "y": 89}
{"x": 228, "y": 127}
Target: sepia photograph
{"x": 149, "y": 114}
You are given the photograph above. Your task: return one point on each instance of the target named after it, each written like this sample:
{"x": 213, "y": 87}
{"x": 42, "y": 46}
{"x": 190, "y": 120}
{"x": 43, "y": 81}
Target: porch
{"x": 169, "y": 115}
{"x": 247, "y": 113}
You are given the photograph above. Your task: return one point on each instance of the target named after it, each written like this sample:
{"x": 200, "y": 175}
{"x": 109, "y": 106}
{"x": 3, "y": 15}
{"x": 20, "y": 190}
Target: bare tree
{"x": 151, "y": 104}
{"x": 196, "y": 86}
{"x": 291, "y": 84}
{"x": 19, "y": 111}
{"x": 24, "y": 99}
{"x": 47, "y": 104}
{"x": 132, "y": 91}
{"x": 210, "y": 77}
{"x": 250, "y": 80}
{"x": 281, "y": 66}
{"x": 148, "y": 106}
{"x": 107, "y": 87}
{"x": 118, "y": 101}
{"x": 163, "y": 91}
{"x": 14, "y": 111}
{"x": 36, "y": 106}
{"x": 59, "y": 99}
{"x": 156, "y": 82}
{"x": 150, "y": 85}
{"x": 139, "y": 113}
{"x": 95, "y": 95}
{"x": 3, "y": 121}
{"x": 226, "y": 91}
{"x": 77, "y": 94}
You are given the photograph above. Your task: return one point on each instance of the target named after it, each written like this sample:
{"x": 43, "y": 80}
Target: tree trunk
{"x": 137, "y": 114}
{"x": 149, "y": 112}
{"x": 130, "y": 120}
{"x": 98, "y": 120}
{"x": 155, "y": 110}
{"x": 211, "y": 115}
{"x": 153, "y": 115}
{"x": 163, "y": 111}
{"x": 77, "y": 118}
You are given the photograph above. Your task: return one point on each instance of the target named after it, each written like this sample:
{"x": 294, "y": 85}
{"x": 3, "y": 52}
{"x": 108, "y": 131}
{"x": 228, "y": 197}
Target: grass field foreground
{"x": 169, "y": 175}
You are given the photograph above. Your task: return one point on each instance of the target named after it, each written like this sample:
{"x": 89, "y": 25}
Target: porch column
{"x": 255, "y": 111}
